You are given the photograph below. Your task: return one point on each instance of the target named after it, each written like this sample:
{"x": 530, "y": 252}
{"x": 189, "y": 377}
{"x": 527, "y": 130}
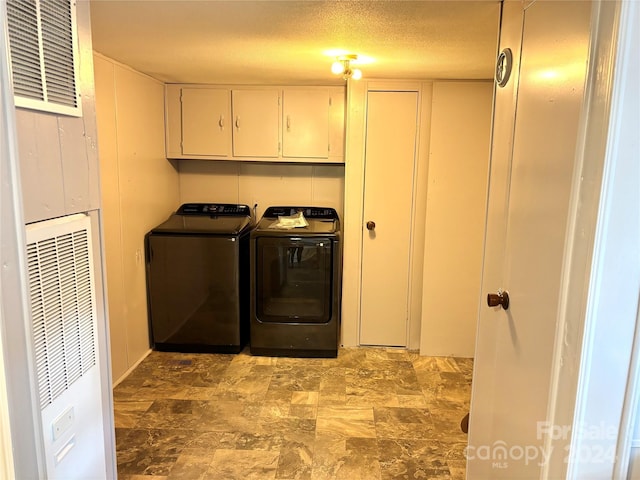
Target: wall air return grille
{"x": 62, "y": 303}
{"x": 42, "y": 41}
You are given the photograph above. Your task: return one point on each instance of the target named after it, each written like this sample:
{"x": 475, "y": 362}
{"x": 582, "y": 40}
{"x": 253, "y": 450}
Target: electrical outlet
{"x": 63, "y": 423}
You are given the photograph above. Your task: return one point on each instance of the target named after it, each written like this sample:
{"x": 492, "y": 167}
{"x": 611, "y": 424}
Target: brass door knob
{"x": 498, "y": 299}
{"x": 371, "y": 225}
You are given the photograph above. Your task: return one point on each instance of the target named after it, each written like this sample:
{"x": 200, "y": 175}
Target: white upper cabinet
{"x": 282, "y": 124}
{"x": 206, "y": 121}
{"x": 313, "y": 124}
{"x": 305, "y": 130}
{"x": 256, "y": 123}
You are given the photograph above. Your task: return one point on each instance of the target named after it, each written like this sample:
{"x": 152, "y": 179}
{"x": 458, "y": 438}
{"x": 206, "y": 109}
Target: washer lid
{"x": 185, "y": 224}
{"x": 207, "y": 218}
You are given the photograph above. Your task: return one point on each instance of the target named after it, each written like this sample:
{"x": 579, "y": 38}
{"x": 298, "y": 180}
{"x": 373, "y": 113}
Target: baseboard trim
{"x": 131, "y": 369}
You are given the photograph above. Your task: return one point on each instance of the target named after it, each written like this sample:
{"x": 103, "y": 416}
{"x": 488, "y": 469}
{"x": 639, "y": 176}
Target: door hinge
{"x": 330, "y": 101}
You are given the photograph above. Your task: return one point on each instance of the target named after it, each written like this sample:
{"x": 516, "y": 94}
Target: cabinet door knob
{"x": 498, "y": 299}
{"x": 288, "y": 122}
{"x": 371, "y": 225}
{"x": 221, "y": 121}
{"x": 238, "y": 121}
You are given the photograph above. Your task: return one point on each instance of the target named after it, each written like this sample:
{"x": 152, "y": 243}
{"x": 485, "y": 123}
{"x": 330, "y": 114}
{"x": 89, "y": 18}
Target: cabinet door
{"x": 206, "y": 122}
{"x": 256, "y": 123}
{"x": 305, "y": 123}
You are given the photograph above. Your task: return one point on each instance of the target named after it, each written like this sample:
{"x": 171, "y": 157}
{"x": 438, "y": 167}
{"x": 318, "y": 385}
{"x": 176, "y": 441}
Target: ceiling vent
{"x": 43, "y": 47}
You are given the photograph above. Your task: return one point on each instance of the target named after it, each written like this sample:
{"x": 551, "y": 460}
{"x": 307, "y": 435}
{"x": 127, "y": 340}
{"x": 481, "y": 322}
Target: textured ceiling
{"x": 295, "y": 42}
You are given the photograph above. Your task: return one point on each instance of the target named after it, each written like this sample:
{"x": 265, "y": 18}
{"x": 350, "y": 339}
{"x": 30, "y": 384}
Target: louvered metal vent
{"x": 42, "y": 41}
{"x": 25, "y": 48}
{"x": 62, "y": 305}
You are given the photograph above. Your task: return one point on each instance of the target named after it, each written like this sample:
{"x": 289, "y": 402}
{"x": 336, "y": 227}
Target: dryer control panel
{"x": 320, "y": 213}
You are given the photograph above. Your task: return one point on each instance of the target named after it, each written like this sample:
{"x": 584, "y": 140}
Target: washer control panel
{"x": 214, "y": 209}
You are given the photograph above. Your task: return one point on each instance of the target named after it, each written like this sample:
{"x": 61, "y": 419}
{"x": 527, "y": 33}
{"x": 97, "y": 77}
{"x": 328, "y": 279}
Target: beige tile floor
{"x": 369, "y": 414}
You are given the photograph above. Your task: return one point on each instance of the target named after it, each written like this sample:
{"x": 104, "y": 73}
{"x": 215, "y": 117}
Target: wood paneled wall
{"x": 455, "y": 219}
{"x": 139, "y": 190}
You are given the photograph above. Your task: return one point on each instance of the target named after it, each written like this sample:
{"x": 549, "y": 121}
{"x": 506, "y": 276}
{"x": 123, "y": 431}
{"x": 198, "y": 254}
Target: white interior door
{"x": 526, "y": 230}
{"x": 392, "y": 120}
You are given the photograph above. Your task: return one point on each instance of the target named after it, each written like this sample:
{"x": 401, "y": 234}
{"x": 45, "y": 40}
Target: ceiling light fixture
{"x": 342, "y": 66}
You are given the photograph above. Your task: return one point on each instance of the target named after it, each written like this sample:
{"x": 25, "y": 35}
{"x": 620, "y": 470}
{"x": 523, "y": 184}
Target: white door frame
{"x": 599, "y": 299}
{"x": 7, "y": 131}
{"x": 19, "y": 433}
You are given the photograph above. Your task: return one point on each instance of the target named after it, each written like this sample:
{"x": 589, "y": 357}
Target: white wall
{"x": 262, "y": 183}
{"x": 139, "y": 191}
{"x": 455, "y": 218}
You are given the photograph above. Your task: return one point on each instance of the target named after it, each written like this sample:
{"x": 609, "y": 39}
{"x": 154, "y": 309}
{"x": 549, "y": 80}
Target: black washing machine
{"x": 296, "y": 283}
{"x": 198, "y": 279}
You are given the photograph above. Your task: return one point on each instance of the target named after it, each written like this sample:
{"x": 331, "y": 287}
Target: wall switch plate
{"x": 63, "y": 423}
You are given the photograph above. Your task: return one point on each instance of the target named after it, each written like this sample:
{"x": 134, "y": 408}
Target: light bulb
{"x": 337, "y": 67}
{"x": 356, "y": 74}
